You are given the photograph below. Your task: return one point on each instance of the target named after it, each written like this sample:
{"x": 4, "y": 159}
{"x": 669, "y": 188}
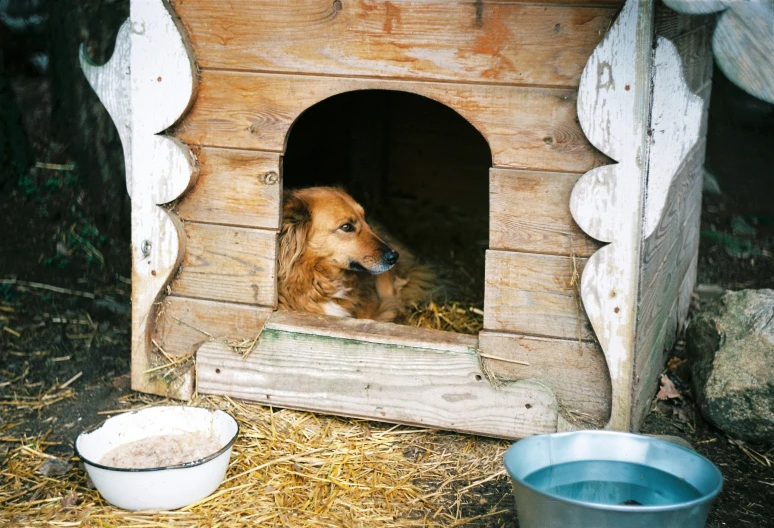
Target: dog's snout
{"x": 391, "y": 257}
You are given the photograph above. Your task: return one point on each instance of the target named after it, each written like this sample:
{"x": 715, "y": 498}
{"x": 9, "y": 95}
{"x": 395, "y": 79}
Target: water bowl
{"x": 604, "y": 479}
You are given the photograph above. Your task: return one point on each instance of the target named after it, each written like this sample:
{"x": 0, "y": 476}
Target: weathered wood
{"x": 427, "y": 385}
{"x": 161, "y": 86}
{"x": 669, "y": 251}
{"x": 532, "y": 128}
{"x": 607, "y": 203}
{"x": 676, "y": 120}
{"x": 487, "y": 41}
{"x": 184, "y": 324}
{"x": 671, "y": 24}
{"x": 235, "y": 187}
{"x": 576, "y": 372}
{"x": 530, "y": 212}
{"x": 742, "y": 42}
{"x": 533, "y": 295}
{"x": 228, "y": 264}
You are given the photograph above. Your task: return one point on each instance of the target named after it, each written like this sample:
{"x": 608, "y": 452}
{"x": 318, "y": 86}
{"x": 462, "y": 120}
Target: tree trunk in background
{"x": 79, "y": 119}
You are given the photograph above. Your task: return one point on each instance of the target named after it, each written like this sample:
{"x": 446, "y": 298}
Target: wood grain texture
{"x": 576, "y": 372}
{"x": 671, "y": 24}
{"x": 184, "y": 324}
{"x": 532, "y": 128}
{"x": 235, "y": 187}
{"x": 376, "y": 379}
{"x": 113, "y": 85}
{"x": 607, "y": 203}
{"x": 532, "y": 294}
{"x": 146, "y": 91}
{"x": 676, "y": 116}
{"x": 669, "y": 253}
{"x": 743, "y": 44}
{"x": 499, "y": 42}
{"x": 229, "y": 264}
{"x": 530, "y": 212}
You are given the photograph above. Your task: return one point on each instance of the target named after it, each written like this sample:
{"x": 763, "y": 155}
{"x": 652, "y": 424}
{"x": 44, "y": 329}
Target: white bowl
{"x": 158, "y": 488}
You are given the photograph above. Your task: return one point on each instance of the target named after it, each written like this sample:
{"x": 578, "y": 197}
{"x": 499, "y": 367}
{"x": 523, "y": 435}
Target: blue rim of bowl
{"x": 184, "y": 465}
{"x": 622, "y": 507}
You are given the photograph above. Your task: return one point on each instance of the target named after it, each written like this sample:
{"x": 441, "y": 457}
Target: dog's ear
{"x": 296, "y": 218}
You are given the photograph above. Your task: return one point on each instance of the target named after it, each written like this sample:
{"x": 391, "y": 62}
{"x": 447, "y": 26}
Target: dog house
{"x": 594, "y": 111}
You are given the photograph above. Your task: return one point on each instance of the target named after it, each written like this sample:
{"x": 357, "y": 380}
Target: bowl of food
{"x": 158, "y": 458}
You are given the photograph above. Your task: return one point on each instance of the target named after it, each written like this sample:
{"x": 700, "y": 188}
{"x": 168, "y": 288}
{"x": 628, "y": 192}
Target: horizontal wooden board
{"x": 530, "y": 212}
{"x": 533, "y": 295}
{"x": 376, "y": 378}
{"x": 228, "y": 264}
{"x": 481, "y": 42}
{"x": 183, "y": 324}
{"x": 531, "y": 128}
{"x": 577, "y": 372}
{"x": 235, "y": 187}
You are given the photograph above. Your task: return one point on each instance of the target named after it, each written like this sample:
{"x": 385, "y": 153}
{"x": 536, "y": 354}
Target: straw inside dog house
{"x": 597, "y": 146}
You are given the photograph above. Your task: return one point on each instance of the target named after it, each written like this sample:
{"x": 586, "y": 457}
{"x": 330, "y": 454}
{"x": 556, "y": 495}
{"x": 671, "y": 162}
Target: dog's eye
{"x": 347, "y": 228}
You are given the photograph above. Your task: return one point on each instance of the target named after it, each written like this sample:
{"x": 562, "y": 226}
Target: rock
{"x": 731, "y": 346}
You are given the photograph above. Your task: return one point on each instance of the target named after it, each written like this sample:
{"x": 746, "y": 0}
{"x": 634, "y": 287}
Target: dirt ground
{"x": 65, "y": 325}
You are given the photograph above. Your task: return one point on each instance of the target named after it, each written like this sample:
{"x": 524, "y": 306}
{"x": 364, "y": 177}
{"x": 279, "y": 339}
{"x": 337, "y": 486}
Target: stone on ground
{"x": 731, "y": 343}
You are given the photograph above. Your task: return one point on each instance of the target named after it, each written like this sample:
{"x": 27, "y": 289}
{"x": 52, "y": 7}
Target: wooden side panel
{"x": 669, "y": 253}
{"x": 534, "y": 295}
{"x": 530, "y": 212}
{"x": 427, "y": 384}
{"x": 485, "y": 41}
{"x": 235, "y": 187}
{"x": 228, "y": 264}
{"x": 533, "y": 128}
{"x": 669, "y": 262}
{"x": 183, "y": 324}
{"x": 576, "y": 372}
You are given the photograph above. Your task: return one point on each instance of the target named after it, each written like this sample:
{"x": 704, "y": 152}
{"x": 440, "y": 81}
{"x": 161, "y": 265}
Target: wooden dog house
{"x": 594, "y": 111}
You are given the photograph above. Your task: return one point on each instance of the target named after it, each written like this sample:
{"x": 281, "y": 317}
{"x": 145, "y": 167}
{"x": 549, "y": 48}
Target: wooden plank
{"x": 530, "y": 212}
{"x": 613, "y": 108}
{"x": 533, "y": 295}
{"x": 235, "y": 187}
{"x": 742, "y": 45}
{"x": 672, "y": 140}
{"x": 695, "y": 51}
{"x": 368, "y": 331}
{"x": 671, "y": 24}
{"x": 376, "y": 379}
{"x": 183, "y": 324}
{"x": 228, "y": 264}
{"x": 500, "y": 42}
{"x": 532, "y": 128}
{"x": 576, "y": 372}
{"x": 146, "y": 91}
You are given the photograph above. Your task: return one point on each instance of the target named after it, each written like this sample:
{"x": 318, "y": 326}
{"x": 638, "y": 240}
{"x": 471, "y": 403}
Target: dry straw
{"x": 288, "y": 468}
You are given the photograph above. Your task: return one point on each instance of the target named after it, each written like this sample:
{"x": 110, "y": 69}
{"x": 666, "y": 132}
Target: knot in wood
{"x": 270, "y": 178}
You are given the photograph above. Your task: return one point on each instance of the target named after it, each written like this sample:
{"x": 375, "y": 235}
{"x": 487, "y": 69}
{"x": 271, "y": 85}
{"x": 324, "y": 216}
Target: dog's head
{"x": 329, "y": 224}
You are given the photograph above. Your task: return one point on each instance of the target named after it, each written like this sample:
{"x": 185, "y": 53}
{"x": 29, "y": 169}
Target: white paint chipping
{"x": 675, "y": 126}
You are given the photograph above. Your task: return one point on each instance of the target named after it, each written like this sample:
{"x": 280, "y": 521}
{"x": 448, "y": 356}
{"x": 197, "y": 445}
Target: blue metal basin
{"x": 604, "y": 479}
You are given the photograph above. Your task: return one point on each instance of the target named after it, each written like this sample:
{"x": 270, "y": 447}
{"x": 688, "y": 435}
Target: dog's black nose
{"x": 391, "y": 257}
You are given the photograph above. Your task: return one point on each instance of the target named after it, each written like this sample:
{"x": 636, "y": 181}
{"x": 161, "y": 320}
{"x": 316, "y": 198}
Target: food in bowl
{"x": 158, "y": 458}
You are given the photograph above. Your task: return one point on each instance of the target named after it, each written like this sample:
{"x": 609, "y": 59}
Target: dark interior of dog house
{"x": 421, "y": 171}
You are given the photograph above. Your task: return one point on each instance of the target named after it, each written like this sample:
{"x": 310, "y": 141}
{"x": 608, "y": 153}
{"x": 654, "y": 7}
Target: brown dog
{"x": 332, "y": 262}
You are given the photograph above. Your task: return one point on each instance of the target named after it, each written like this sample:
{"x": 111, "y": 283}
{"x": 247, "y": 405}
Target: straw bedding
{"x": 287, "y": 468}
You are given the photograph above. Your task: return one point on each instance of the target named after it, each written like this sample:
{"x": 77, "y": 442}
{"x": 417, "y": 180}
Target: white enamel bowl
{"x": 159, "y": 488}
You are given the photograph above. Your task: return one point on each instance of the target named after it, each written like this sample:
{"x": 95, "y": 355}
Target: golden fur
{"x": 331, "y": 261}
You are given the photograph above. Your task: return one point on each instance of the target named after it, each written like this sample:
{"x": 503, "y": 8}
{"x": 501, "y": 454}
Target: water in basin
{"x": 612, "y": 482}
